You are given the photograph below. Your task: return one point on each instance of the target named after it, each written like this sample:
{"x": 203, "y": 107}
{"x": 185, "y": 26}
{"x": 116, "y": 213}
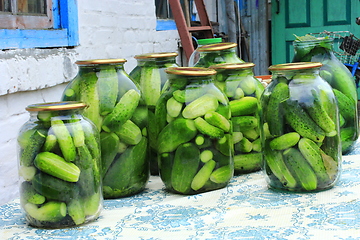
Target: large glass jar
{"x": 115, "y": 106}
{"x": 195, "y": 138}
{"x": 194, "y": 57}
{"x": 243, "y": 90}
{"x": 217, "y": 53}
{"x": 340, "y": 79}
{"x": 302, "y": 147}
{"x": 150, "y": 76}
{"x": 59, "y": 166}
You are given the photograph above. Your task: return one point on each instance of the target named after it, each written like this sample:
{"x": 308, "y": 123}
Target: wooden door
{"x": 300, "y": 17}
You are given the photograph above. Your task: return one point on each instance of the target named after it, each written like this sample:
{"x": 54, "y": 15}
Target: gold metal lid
{"x": 295, "y": 66}
{"x": 232, "y": 65}
{"x": 190, "y": 71}
{"x": 156, "y": 55}
{"x": 217, "y": 47}
{"x": 101, "y": 61}
{"x": 55, "y": 106}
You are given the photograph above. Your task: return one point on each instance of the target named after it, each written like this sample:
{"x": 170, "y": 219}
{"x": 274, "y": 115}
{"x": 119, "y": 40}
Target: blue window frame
{"x": 63, "y": 33}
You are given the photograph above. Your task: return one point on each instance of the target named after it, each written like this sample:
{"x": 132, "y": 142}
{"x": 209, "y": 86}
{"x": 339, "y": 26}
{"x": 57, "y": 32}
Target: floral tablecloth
{"x": 246, "y": 209}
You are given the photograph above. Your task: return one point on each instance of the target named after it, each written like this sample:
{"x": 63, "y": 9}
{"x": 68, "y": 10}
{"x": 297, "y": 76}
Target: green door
{"x": 300, "y": 17}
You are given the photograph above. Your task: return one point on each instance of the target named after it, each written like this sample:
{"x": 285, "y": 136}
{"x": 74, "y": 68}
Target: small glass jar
{"x": 195, "y": 138}
{"x": 240, "y": 86}
{"x": 115, "y": 106}
{"x": 59, "y": 166}
{"x": 217, "y": 53}
{"x": 302, "y": 146}
{"x": 194, "y": 57}
{"x": 150, "y": 76}
{"x": 340, "y": 79}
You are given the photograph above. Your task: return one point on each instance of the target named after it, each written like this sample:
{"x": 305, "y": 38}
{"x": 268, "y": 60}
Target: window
{"x": 164, "y": 17}
{"x": 38, "y": 23}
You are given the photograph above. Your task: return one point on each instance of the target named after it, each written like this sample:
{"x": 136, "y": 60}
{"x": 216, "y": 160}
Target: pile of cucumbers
{"x": 117, "y": 109}
{"x": 300, "y": 126}
{"x": 308, "y": 48}
{"x": 60, "y": 169}
{"x": 244, "y": 92}
{"x": 194, "y": 143}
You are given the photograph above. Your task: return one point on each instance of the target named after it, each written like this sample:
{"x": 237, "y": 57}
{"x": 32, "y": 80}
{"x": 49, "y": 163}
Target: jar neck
{"x": 156, "y": 62}
{"x": 47, "y": 116}
{"x": 305, "y": 74}
{"x": 99, "y": 67}
{"x": 225, "y": 51}
{"x": 240, "y": 72}
{"x": 180, "y": 82}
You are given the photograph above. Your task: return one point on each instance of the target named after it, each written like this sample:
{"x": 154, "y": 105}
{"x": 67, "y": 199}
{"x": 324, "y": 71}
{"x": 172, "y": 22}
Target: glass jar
{"x": 194, "y": 57}
{"x": 340, "y": 79}
{"x": 115, "y": 106}
{"x": 195, "y": 138}
{"x": 150, "y": 76}
{"x": 240, "y": 86}
{"x": 59, "y": 166}
{"x": 302, "y": 146}
{"x": 217, "y": 53}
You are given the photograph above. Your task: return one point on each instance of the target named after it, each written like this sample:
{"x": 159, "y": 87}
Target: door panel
{"x": 300, "y": 17}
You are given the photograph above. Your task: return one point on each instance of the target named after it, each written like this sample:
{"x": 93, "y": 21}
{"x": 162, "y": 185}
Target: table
{"x": 246, "y": 209}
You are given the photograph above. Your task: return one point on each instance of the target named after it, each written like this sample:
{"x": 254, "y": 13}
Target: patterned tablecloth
{"x": 246, "y": 209}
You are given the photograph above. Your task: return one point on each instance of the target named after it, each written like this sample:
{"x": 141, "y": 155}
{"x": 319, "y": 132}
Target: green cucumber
{"x": 129, "y": 133}
{"x": 203, "y": 175}
{"x": 301, "y": 169}
{"x": 90, "y": 95}
{"x": 200, "y": 106}
{"x": 248, "y": 162}
{"x": 29, "y": 195}
{"x": 185, "y": 167}
{"x": 218, "y": 120}
{"x": 108, "y": 89}
{"x": 173, "y": 107}
{"x": 243, "y": 106}
{"x": 76, "y": 211}
{"x": 301, "y": 122}
{"x": 56, "y": 166}
{"x": 285, "y": 141}
{"x": 64, "y": 139}
{"x": 122, "y": 112}
{"x": 53, "y": 187}
{"x": 205, "y": 128}
{"x": 49, "y": 212}
{"x": 32, "y": 146}
{"x": 175, "y": 133}
{"x": 150, "y": 84}
{"x": 109, "y": 149}
{"x": 222, "y": 174}
{"x": 130, "y": 163}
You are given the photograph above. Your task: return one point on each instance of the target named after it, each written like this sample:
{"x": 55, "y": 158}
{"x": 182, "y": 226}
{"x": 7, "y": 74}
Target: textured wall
{"x": 107, "y": 29}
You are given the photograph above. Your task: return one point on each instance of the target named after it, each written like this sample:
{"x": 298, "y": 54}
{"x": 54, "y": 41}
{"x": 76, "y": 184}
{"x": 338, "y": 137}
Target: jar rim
{"x": 55, "y": 106}
{"x": 156, "y": 55}
{"x": 190, "y": 71}
{"x": 217, "y": 47}
{"x": 295, "y": 66}
{"x": 101, "y": 61}
{"x": 232, "y": 65}
{"x": 317, "y": 40}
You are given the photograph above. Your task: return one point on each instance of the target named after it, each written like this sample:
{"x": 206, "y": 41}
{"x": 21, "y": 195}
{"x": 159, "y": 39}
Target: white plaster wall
{"x": 107, "y": 29}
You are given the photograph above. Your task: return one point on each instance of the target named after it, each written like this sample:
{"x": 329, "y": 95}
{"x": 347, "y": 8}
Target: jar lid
{"x": 101, "y": 61}
{"x": 156, "y": 55}
{"x": 190, "y": 71}
{"x": 295, "y": 66}
{"x": 206, "y": 41}
{"x": 217, "y": 47}
{"x": 232, "y": 65}
{"x": 55, "y": 106}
